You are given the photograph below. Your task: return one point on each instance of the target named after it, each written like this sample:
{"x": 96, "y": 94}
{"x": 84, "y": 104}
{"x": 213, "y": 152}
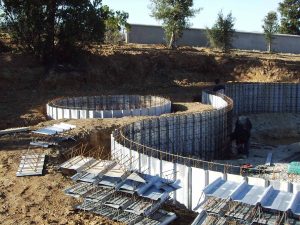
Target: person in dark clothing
{"x": 219, "y": 88}
{"x": 241, "y": 134}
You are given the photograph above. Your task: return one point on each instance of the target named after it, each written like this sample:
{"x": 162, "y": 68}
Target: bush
{"x": 221, "y": 34}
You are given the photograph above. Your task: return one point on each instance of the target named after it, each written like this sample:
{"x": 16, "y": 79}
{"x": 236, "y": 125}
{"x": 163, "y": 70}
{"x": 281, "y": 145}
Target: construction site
{"x": 151, "y": 148}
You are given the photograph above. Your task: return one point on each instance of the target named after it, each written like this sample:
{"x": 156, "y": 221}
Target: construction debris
{"x": 43, "y": 144}
{"x": 14, "y": 130}
{"x": 55, "y": 129}
{"x": 31, "y": 164}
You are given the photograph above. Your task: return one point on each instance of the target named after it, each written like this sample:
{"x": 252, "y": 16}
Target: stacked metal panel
{"x": 31, "y": 164}
{"x": 251, "y": 203}
{"x": 120, "y": 194}
{"x": 55, "y": 129}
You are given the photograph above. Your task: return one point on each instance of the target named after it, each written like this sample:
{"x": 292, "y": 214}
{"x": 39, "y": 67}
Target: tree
{"x": 270, "y": 27}
{"x": 115, "y": 24}
{"x": 221, "y": 34}
{"x": 25, "y": 23}
{"x": 44, "y": 26}
{"x": 290, "y": 17}
{"x": 175, "y": 16}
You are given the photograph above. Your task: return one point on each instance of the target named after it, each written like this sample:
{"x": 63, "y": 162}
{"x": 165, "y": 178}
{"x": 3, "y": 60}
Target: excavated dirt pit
{"x": 135, "y": 69}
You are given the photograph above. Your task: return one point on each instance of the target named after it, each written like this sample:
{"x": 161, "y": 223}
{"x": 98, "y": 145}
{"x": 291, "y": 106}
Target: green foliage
{"x": 115, "y": 24}
{"x": 270, "y": 27}
{"x": 221, "y": 34}
{"x": 25, "y": 21}
{"x": 290, "y": 17}
{"x": 45, "y": 27}
{"x": 81, "y": 21}
{"x": 175, "y": 16}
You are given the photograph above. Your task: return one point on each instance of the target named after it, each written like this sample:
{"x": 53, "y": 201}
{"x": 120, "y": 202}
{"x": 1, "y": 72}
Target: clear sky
{"x": 248, "y": 13}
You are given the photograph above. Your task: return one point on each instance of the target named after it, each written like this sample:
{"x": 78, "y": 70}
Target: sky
{"x": 248, "y": 14}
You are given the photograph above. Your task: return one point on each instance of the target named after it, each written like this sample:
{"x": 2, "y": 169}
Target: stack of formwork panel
{"x": 248, "y": 204}
{"x": 119, "y": 194}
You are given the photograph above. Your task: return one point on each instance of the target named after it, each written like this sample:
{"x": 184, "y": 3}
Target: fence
{"x": 145, "y": 34}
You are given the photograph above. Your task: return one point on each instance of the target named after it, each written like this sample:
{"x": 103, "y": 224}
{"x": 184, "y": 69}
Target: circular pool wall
{"x": 200, "y": 135}
{"x": 111, "y": 106}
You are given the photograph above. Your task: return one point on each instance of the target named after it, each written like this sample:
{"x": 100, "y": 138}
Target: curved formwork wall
{"x": 201, "y": 135}
{"x": 112, "y": 106}
{"x": 264, "y": 97}
{"x": 180, "y": 146}
{"x": 173, "y": 146}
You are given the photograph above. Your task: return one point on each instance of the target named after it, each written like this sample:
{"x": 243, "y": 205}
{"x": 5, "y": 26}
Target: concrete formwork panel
{"x": 135, "y": 161}
{"x": 198, "y": 184}
{"x": 155, "y": 166}
{"x": 107, "y": 114}
{"x": 91, "y": 114}
{"x": 115, "y": 106}
{"x": 117, "y": 113}
{"x": 145, "y": 163}
{"x": 74, "y": 114}
{"x": 97, "y": 114}
{"x": 235, "y": 178}
{"x": 256, "y": 181}
{"x": 48, "y": 109}
{"x": 54, "y": 113}
{"x": 280, "y": 185}
{"x": 213, "y": 175}
{"x": 82, "y": 114}
{"x": 66, "y": 113}
{"x": 168, "y": 170}
{"x": 126, "y": 112}
{"x": 126, "y": 155}
{"x": 296, "y": 187}
{"x": 182, "y": 175}
{"x": 136, "y": 112}
{"x": 159, "y": 111}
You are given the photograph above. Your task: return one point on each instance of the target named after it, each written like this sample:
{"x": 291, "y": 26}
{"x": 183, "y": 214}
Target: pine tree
{"x": 290, "y": 17}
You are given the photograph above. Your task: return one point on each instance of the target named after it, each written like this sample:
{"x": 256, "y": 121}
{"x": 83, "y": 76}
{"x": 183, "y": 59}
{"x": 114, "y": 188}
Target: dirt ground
{"x": 25, "y": 88}
{"x": 40, "y": 200}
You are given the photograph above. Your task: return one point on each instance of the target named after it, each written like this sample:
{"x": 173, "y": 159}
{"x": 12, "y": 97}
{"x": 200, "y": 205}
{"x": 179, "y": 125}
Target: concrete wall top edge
{"x": 251, "y": 41}
{"x": 111, "y": 106}
{"x": 109, "y": 102}
{"x": 203, "y": 29}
